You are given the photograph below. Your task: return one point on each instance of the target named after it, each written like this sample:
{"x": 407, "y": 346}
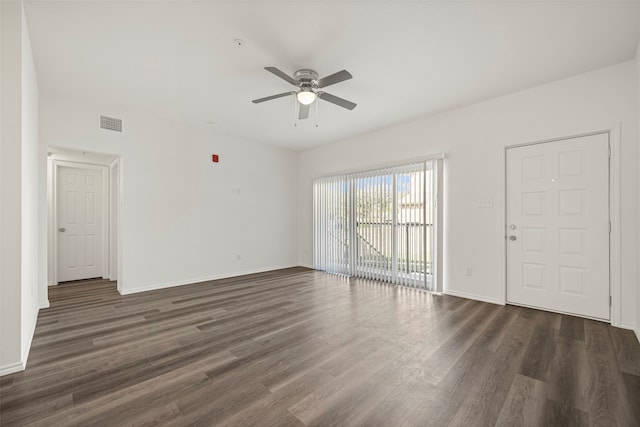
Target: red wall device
{"x": 215, "y": 158}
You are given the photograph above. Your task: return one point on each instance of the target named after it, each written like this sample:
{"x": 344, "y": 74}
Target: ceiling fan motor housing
{"x": 303, "y": 76}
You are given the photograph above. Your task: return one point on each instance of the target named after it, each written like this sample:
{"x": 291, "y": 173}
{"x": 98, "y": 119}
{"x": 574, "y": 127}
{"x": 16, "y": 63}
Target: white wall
{"x": 473, "y": 139}
{"x": 186, "y": 219}
{"x": 10, "y": 195}
{"x": 31, "y": 155}
{"x": 638, "y": 167}
{"x": 19, "y": 220}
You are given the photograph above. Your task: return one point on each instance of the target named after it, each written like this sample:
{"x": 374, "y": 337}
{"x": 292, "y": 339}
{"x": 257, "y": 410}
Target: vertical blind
{"x": 378, "y": 224}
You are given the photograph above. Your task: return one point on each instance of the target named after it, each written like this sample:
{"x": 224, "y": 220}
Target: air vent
{"x": 110, "y": 123}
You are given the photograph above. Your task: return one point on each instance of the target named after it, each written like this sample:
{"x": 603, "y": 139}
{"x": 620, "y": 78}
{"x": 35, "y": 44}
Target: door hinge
{"x": 609, "y": 300}
{"x": 609, "y": 227}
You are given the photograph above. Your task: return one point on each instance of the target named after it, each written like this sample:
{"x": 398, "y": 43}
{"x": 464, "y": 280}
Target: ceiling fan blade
{"x": 336, "y": 100}
{"x": 269, "y": 98}
{"x": 282, "y": 75}
{"x": 338, "y": 77}
{"x": 304, "y": 112}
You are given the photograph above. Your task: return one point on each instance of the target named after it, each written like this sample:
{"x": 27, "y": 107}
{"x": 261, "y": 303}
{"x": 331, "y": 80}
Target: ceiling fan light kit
{"x": 306, "y": 97}
{"x": 308, "y": 83}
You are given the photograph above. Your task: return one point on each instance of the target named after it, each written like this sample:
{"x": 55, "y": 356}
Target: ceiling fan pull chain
{"x": 295, "y": 115}
{"x": 317, "y": 112}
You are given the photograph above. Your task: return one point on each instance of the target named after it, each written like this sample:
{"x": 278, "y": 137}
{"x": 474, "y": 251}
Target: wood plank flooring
{"x": 300, "y": 347}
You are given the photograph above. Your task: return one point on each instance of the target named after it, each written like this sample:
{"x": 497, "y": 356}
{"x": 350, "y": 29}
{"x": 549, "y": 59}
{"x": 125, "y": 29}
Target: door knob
{"x": 512, "y": 238}
{"x": 62, "y": 230}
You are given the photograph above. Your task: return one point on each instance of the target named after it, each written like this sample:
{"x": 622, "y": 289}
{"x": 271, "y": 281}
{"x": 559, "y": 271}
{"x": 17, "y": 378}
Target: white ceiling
{"x": 178, "y": 59}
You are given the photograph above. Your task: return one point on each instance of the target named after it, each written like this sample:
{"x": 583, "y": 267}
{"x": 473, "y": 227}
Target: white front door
{"x": 558, "y": 226}
{"x": 80, "y": 224}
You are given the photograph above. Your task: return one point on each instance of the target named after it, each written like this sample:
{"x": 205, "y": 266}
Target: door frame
{"x": 614, "y": 214}
{"x": 55, "y": 165}
{"x": 116, "y": 206}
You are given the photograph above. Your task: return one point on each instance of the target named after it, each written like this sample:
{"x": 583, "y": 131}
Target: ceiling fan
{"x": 308, "y": 84}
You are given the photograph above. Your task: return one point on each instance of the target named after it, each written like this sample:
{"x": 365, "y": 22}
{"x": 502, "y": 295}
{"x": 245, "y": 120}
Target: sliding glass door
{"x": 372, "y": 230}
{"x": 379, "y": 224}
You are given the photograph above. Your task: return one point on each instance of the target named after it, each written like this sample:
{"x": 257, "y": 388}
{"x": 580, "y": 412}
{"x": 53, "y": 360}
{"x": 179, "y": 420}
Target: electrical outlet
{"x": 238, "y": 257}
{"x": 469, "y": 271}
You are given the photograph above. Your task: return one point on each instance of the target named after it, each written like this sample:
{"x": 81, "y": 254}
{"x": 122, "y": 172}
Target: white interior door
{"x": 558, "y": 226}
{"x": 80, "y": 224}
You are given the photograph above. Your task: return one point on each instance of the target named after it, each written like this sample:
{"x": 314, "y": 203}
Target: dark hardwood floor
{"x": 301, "y": 347}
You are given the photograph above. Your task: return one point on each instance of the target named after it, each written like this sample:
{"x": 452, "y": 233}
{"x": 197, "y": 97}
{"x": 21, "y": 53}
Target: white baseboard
{"x": 43, "y": 297}
{"x": 473, "y": 297}
{"x": 22, "y": 365}
{"x": 201, "y": 279}
{"x": 12, "y": 368}
{"x": 27, "y": 347}
{"x": 634, "y": 328}
{"x": 624, "y": 325}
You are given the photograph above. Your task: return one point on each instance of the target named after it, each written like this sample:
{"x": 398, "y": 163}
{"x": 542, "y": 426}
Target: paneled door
{"x": 80, "y": 223}
{"x": 558, "y": 226}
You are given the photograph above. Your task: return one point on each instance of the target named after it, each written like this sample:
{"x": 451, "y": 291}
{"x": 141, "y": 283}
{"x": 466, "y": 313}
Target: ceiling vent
{"x": 110, "y": 123}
